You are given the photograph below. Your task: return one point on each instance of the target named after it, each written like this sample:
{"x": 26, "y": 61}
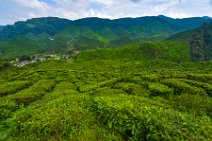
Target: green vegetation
{"x": 199, "y": 41}
{"x": 140, "y": 51}
{"x": 133, "y": 91}
{"x": 181, "y": 87}
{"x": 13, "y": 87}
{"x": 159, "y": 89}
{"x": 4, "y": 65}
{"x": 50, "y": 35}
{"x": 100, "y": 99}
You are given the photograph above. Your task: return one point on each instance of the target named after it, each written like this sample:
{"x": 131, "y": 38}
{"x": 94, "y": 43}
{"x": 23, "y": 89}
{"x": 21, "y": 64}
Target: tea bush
{"x": 117, "y": 100}
{"x": 182, "y": 87}
{"x": 12, "y": 87}
{"x": 34, "y": 92}
{"x": 159, "y": 89}
{"x": 132, "y": 118}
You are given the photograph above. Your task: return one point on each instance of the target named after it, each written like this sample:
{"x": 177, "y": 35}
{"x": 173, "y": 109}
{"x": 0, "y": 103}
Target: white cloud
{"x": 14, "y": 10}
{"x": 178, "y": 15}
{"x": 34, "y": 4}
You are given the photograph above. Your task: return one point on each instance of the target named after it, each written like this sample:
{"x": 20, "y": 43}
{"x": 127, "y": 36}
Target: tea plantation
{"x": 106, "y": 100}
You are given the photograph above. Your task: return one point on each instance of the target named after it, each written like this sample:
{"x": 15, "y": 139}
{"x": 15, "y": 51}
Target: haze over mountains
{"x": 53, "y": 34}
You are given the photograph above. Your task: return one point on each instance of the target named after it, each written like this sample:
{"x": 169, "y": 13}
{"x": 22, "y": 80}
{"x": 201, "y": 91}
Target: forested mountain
{"x": 1, "y": 26}
{"x": 52, "y": 25}
{"x": 36, "y": 26}
{"x": 199, "y": 40}
{"x": 61, "y": 35}
{"x": 187, "y": 23}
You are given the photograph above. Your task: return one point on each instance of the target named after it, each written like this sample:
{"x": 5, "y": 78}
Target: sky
{"x": 20, "y": 10}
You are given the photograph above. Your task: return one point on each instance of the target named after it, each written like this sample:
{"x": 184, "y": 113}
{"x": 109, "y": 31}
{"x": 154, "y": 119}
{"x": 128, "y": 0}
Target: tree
{"x": 24, "y": 58}
{"x": 4, "y": 66}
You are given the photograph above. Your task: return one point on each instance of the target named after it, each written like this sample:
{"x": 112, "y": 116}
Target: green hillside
{"x": 36, "y": 26}
{"x": 151, "y": 51}
{"x": 107, "y": 99}
{"x": 199, "y": 40}
{"x": 106, "y": 80}
{"x": 26, "y": 45}
{"x": 61, "y": 35}
{"x": 188, "y": 23}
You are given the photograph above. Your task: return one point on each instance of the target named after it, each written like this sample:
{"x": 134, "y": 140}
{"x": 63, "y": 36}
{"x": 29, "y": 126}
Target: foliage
{"x": 199, "y": 41}
{"x": 106, "y": 100}
{"x": 4, "y": 65}
{"x": 33, "y": 93}
{"x": 181, "y": 87}
{"x": 13, "y": 87}
{"x": 119, "y": 113}
{"x": 62, "y": 36}
{"x": 106, "y": 80}
{"x": 159, "y": 89}
{"x": 140, "y": 51}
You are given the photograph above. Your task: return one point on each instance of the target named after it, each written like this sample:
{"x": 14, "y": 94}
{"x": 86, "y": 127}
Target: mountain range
{"x": 55, "y": 35}
{"x": 1, "y": 26}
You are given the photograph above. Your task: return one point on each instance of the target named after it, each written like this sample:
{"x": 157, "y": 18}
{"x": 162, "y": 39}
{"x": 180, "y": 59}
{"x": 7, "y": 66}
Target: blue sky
{"x": 16, "y": 10}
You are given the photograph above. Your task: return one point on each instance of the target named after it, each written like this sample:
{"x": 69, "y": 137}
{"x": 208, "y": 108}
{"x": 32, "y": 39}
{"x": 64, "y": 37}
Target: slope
{"x": 36, "y": 26}
{"x": 199, "y": 40}
{"x": 62, "y": 35}
{"x": 106, "y": 100}
{"x": 150, "y": 51}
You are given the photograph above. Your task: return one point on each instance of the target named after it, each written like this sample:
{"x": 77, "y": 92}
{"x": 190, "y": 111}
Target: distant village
{"x": 25, "y": 60}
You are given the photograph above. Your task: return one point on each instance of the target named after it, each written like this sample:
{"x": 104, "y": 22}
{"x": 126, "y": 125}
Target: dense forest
{"x": 128, "y": 79}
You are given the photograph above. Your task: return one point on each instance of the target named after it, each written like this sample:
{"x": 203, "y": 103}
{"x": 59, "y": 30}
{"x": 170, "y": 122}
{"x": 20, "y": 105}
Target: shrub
{"x": 182, "y": 87}
{"x": 107, "y": 91}
{"x": 7, "y": 107}
{"x": 137, "y": 119}
{"x": 201, "y": 77}
{"x": 107, "y": 83}
{"x": 130, "y": 88}
{"x": 34, "y": 92}
{"x": 61, "y": 89}
{"x": 196, "y": 105}
{"x": 62, "y": 117}
{"x": 206, "y": 86}
{"x": 151, "y": 77}
{"x": 4, "y": 66}
{"x": 12, "y": 87}
{"x": 158, "y": 89}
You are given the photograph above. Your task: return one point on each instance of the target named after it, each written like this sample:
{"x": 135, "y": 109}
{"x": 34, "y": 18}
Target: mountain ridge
{"x": 139, "y": 21}
{"x": 53, "y": 34}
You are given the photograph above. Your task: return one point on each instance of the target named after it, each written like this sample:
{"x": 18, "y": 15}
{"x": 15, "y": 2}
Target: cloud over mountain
{"x": 14, "y": 10}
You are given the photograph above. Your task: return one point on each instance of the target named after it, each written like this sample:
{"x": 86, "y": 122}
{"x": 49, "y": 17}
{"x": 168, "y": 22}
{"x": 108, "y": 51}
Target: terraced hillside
{"x": 106, "y": 100}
